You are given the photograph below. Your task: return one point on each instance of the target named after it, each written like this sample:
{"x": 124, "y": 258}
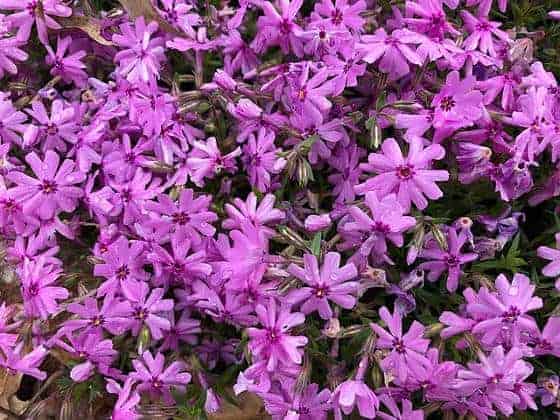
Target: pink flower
{"x": 40, "y": 295}
{"x": 330, "y": 283}
{"x": 552, "y": 269}
{"x": 141, "y": 55}
{"x": 273, "y": 343}
{"x": 156, "y": 379}
{"x": 406, "y": 349}
{"x": 410, "y": 178}
{"x": 394, "y": 51}
{"x": 70, "y": 67}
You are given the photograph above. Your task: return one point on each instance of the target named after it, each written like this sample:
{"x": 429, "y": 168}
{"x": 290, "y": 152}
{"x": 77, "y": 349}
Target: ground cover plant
{"x": 326, "y": 209}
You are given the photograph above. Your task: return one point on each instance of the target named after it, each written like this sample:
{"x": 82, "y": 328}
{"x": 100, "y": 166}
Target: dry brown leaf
{"x": 250, "y": 408}
{"x": 87, "y": 24}
{"x": 136, "y": 8}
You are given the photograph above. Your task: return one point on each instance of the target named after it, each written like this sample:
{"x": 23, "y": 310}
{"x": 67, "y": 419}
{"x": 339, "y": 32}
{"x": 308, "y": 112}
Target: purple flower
{"x": 53, "y": 130}
{"x": 330, "y": 283}
{"x": 407, "y": 412}
{"x": 394, "y": 51}
{"x": 450, "y": 259}
{"x": 12, "y": 122}
{"x": 341, "y": 14}
{"x": 406, "y": 349}
{"x": 260, "y": 157}
{"x": 552, "y": 269}
{"x": 505, "y": 312}
{"x": 92, "y": 351}
{"x": 307, "y": 96}
{"x": 10, "y": 52}
{"x": 495, "y": 376}
{"x": 158, "y": 380}
{"x": 123, "y": 262}
{"x": 457, "y": 103}
{"x": 28, "y": 12}
{"x": 280, "y": 29}
{"x": 70, "y": 68}
{"x": 410, "y": 178}
{"x": 141, "y": 55}
{"x": 261, "y": 215}
{"x": 355, "y": 392}
{"x": 185, "y": 329}
{"x": 14, "y": 363}
{"x": 316, "y": 223}
{"x": 273, "y": 343}
{"x": 387, "y": 222}
{"x": 180, "y": 267}
{"x": 346, "y": 161}
{"x": 112, "y": 317}
{"x": 206, "y": 160}
{"x": 189, "y": 217}
{"x": 127, "y": 402}
{"x": 40, "y": 295}
{"x": 481, "y": 31}
{"x": 147, "y": 310}
{"x": 53, "y": 190}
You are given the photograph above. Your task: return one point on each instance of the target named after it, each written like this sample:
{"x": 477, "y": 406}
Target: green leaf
{"x": 316, "y": 244}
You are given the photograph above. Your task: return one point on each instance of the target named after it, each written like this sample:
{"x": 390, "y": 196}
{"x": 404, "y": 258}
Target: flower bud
{"x": 315, "y": 223}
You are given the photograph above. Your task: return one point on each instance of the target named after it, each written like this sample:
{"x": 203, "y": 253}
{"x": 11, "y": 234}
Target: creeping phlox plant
{"x": 337, "y": 207}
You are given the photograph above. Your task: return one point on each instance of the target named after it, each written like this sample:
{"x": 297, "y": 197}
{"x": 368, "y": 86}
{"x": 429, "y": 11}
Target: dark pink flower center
{"x": 483, "y": 26}
{"x": 447, "y": 103}
{"x": 321, "y": 291}
{"x": 405, "y": 172}
{"x": 511, "y": 315}
{"x": 495, "y": 379}
{"x": 123, "y": 272}
{"x": 452, "y": 260}
{"x": 33, "y": 290}
{"x": 336, "y": 17}
{"x": 180, "y": 218}
{"x": 273, "y": 335}
{"x": 48, "y": 187}
{"x": 398, "y": 345}
{"x": 382, "y": 227}
{"x": 97, "y": 320}
{"x": 141, "y": 314}
{"x": 286, "y": 26}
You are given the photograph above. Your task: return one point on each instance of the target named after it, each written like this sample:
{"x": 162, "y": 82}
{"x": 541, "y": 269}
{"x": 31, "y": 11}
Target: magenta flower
{"x": 206, "y": 161}
{"x": 407, "y": 413}
{"x": 29, "y": 12}
{"x": 39, "y": 290}
{"x": 552, "y": 269}
{"x": 273, "y": 343}
{"x": 457, "y": 103}
{"x": 113, "y": 316}
{"x": 156, "y": 379}
{"x": 548, "y": 342}
{"x": 394, "y": 50}
{"x": 10, "y": 52}
{"x": 53, "y": 190}
{"x": 14, "y": 363}
{"x": 127, "y": 402}
{"x": 12, "y": 126}
{"x": 410, "y": 178}
{"x": 147, "y": 310}
{"x": 354, "y": 392}
{"x": 92, "y": 352}
{"x": 308, "y": 96}
{"x": 450, "y": 259}
{"x": 53, "y": 130}
{"x": 495, "y": 377}
{"x": 406, "y": 349}
{"x": 185, "y": 329}
{"x": 481, "y": 35}
{"x": 330, "y": 283}
{"x": 387, "y": 222}
{"x": 346, "y": 161}
{"x": 259, "y": 215}
{"x": 122, "y": 262}
{"x": 69, "y": 67}
{"x": 141, "y": 55}
{"x": 260, "y": 157}
{"x": 341, "y": 14}
{"x": 188, "y": 218}
{"x": 280, "y": 29}
{"x": 180, "y": 267}
{"x": 505, "y": 312}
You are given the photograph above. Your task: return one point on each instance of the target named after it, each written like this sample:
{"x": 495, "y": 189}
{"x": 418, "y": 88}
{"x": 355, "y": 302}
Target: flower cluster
{"x": 339, "y": 206}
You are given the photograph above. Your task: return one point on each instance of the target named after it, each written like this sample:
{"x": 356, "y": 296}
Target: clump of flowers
{"x": 341, "y": 207}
